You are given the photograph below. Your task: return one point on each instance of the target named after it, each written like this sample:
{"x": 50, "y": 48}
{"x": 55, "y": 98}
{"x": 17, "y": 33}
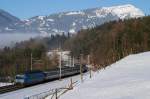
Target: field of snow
{"x": 128, "y": 78}
{"x": 5, "y": 84}
{"x": 125, "y": 79}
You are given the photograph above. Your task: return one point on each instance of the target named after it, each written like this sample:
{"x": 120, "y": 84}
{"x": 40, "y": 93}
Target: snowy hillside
{"x": 126, "y": 79}
{"x": 74, "y": 21}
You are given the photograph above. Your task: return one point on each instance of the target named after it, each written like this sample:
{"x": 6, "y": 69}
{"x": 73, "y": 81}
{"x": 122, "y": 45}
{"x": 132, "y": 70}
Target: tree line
{"x": 112, "y": 41}
{"x": 17, "y": 59}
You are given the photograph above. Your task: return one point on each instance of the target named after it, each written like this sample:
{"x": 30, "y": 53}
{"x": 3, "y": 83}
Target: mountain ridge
{"x": 73, "y": 21}
{"x": 7, "y": 19}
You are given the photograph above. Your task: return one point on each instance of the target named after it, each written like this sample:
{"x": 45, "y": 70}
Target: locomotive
{"x": 30, "y": 77}
{"x": 34, "y": 77}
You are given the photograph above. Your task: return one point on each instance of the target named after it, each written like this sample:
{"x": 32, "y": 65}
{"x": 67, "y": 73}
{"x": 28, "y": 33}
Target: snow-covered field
{"x": 5, "y": 84}
{"x": 128, "y": 78}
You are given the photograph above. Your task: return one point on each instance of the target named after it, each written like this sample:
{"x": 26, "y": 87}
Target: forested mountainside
{"x": 105, "y": 44}
{"x": 112, "y": 41}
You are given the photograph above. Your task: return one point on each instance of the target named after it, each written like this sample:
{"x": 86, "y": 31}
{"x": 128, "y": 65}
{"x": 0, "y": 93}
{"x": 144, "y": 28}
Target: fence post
{"x": 81, "y": 68}
{"x": 26, "y": 98}
{"x": 71, "y": 84}
{"x": 90, "y": 73}
{"x": 56, "y": 93}
{"x": 89, "y": 66}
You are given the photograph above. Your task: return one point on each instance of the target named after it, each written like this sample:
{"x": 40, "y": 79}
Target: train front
{"x": 20, "y": 79}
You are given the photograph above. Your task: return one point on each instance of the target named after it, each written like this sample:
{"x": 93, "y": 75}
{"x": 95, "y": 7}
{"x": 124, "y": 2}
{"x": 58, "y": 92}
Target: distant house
{"x": 65, "y": 57}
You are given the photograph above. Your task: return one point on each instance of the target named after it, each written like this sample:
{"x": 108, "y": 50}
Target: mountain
{"x": 7, "y": 20}
{"x": 74, "y": 21}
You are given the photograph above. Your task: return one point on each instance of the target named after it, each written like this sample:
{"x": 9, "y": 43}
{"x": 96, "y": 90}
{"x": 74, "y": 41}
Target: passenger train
{"x": 34, "y": 77}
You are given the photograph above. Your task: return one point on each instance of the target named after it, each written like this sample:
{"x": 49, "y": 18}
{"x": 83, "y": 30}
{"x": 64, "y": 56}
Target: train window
{"x": 20, "y": 77}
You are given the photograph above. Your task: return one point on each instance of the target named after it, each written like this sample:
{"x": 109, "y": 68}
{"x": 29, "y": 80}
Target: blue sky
{"x": 28, "y": 8}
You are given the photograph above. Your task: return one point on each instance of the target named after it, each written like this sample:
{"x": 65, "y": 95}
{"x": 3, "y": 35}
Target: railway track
{"x": 9, "y": 88}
